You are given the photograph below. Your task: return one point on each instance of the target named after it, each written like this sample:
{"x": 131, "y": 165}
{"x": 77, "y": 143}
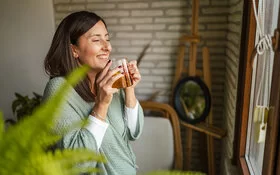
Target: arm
{"x": 69, "y": 116}
{"x": 72, "y": 112}
{"x": 78, "y": 137}
{"x": 133, "y": 110}
{"x": 134, "y": 117}
{"x": 130, "y": 98}
{"x": 135, "y": 121}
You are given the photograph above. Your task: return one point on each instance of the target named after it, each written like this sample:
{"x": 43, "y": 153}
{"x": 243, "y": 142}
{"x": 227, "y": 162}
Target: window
{"x": 252, "y": 157}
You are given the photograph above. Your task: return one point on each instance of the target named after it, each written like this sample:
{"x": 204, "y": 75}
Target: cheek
{"x": 91, "y": 51}
{"x": 86, "y": 55}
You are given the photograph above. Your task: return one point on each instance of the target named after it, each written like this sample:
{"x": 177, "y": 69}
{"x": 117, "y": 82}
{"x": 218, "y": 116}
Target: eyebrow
{"x": 91, "y": 35}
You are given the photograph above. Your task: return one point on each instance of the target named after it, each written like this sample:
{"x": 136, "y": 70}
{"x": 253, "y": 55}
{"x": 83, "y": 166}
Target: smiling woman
{"x": 115, "y": 116}
{"x": 93, "y": 47}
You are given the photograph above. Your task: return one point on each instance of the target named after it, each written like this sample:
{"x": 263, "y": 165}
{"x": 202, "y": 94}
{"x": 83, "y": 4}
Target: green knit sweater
{"x": 115, "y": 145}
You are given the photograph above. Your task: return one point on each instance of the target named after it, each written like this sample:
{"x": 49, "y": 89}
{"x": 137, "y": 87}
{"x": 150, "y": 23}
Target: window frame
{"x": 271, "y": 163}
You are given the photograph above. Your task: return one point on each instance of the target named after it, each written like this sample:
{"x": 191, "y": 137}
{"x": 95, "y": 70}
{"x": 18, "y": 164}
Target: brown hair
{"x": 59, "y": 60}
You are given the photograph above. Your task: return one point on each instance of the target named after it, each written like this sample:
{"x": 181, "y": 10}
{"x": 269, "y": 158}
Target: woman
{"x": 115, "y": 116}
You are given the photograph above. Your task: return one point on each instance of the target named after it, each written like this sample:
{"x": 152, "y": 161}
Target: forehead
{"x": 99, "y": 29}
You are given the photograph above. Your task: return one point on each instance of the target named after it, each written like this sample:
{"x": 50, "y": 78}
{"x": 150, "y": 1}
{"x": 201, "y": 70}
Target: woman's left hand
{"x": 134, "y": 73}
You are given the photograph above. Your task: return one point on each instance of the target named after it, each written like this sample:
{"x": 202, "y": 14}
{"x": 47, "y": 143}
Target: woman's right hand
{"x": 103, "y": 84}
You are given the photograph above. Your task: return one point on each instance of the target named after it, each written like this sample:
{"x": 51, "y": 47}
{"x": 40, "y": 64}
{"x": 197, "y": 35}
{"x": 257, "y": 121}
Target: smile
{"x": 103, "y": 56}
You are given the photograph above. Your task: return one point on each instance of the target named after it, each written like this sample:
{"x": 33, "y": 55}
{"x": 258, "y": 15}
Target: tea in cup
{"x": 125, "y": 80}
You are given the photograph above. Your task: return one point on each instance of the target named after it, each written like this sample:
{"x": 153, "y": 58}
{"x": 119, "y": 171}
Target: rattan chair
{"x": 159, "y": 147}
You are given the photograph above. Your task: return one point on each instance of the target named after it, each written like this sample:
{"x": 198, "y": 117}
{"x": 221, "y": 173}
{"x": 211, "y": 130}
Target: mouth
{"x": 103, "y": 56}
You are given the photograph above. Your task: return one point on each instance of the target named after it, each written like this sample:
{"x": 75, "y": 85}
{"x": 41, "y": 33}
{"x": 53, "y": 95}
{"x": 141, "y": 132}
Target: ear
{"x": 74, "y": 50}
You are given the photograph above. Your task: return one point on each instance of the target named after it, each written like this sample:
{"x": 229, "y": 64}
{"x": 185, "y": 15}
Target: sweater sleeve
{"x": 78, "y": 137}
{"x": 137, "y": 130}
{"x": 139, "y": 125}
{"x": 97, "y": 128}
{"x": 69, "y": 115}
{"x": 132, "y": 119}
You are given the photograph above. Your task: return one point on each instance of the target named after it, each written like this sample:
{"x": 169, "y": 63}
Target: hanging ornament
{"x": 263, "y": 50}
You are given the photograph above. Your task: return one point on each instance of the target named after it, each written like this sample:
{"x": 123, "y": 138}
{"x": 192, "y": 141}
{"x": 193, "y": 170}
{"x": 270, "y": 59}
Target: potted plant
{"x": 23, "y": 106}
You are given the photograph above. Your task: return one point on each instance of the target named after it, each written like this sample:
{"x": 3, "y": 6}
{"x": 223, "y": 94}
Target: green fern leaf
{"x": 24, "y": 145}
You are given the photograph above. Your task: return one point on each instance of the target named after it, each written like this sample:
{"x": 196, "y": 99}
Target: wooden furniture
{"x": 149, "y": 145}
{"x": 165, "y": 111}
{"x": 207, "y": 127}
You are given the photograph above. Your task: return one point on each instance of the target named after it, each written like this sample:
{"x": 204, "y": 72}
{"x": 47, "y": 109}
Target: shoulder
{"x": 52, "y": 86}
{"x": 56, "y": 81}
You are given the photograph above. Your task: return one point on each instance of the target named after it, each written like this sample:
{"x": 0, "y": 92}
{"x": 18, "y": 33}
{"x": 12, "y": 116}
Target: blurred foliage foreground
{"x": 24, "y": 146}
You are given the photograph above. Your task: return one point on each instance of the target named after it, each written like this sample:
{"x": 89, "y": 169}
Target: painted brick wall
{"x": 231, "y": 77}
{"x": 133, "y": 23}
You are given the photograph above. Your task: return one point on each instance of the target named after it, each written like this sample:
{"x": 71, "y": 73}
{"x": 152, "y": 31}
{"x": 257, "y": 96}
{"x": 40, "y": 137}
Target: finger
{"x": 114, "y": 90}
{"x": 136, "y": 77}
{"x": 133, "y": 62}
{"x": 104, "y": 71}
{"x": 112, "y": 73}
{"x": 133, "y": 67}
{"x": 115, "y": 71}
{"x": 110, "y": 78}
{"x": 113, "y": 79}
{"x": 134, "y": 71}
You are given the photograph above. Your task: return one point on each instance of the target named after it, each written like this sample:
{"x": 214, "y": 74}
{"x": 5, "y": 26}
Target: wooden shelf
{"x": 206, "y": 128}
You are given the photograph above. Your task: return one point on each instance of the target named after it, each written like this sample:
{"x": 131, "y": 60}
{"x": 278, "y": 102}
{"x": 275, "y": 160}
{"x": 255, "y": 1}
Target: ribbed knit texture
{"x": 115, "y": 145}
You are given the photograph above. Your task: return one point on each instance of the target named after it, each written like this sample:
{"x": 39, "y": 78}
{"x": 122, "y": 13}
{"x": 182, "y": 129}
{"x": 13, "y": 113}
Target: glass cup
{"x": 125, "y": 80}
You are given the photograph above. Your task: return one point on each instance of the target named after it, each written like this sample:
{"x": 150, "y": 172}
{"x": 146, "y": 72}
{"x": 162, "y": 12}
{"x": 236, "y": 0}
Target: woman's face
{"x": 93, "y": 47}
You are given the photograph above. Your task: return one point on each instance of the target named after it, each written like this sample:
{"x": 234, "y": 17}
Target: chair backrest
{"x": 159, "y": 147}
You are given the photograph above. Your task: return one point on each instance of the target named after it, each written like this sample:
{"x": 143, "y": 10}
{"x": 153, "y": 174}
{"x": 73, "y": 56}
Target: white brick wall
{"x": 134, "y": 23}
{"x": 101, "y": 6}
{"x": 143, "y": 20}
{"x": 133, "y": 5}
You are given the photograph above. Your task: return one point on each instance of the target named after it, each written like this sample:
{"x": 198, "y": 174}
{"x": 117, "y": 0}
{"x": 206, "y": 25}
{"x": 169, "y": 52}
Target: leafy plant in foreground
{"x": 24, "y": 146}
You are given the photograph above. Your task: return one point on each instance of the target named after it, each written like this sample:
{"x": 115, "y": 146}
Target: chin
{"x": 99, "y": 67}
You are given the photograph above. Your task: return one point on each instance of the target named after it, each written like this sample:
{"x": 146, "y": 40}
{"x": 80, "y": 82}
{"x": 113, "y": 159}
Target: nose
{"x": 106, "y": 45}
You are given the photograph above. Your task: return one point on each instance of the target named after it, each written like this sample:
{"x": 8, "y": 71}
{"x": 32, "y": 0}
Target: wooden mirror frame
{"x": 177, "y": 103}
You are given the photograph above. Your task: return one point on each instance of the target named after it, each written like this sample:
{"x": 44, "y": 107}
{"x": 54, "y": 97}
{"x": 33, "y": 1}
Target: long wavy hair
{"x": 59, "y": 60}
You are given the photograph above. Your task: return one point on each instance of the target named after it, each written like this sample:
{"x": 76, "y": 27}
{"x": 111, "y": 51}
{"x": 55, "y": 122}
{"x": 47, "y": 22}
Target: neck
{"x": 92, "y": 76}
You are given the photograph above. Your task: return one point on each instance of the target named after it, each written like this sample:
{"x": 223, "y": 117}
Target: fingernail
{"x": 119, "y": 66}
{"x": 109, "y": 61}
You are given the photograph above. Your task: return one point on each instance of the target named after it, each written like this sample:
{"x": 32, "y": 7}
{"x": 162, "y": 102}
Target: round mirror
{"x": 192, "y": 100}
